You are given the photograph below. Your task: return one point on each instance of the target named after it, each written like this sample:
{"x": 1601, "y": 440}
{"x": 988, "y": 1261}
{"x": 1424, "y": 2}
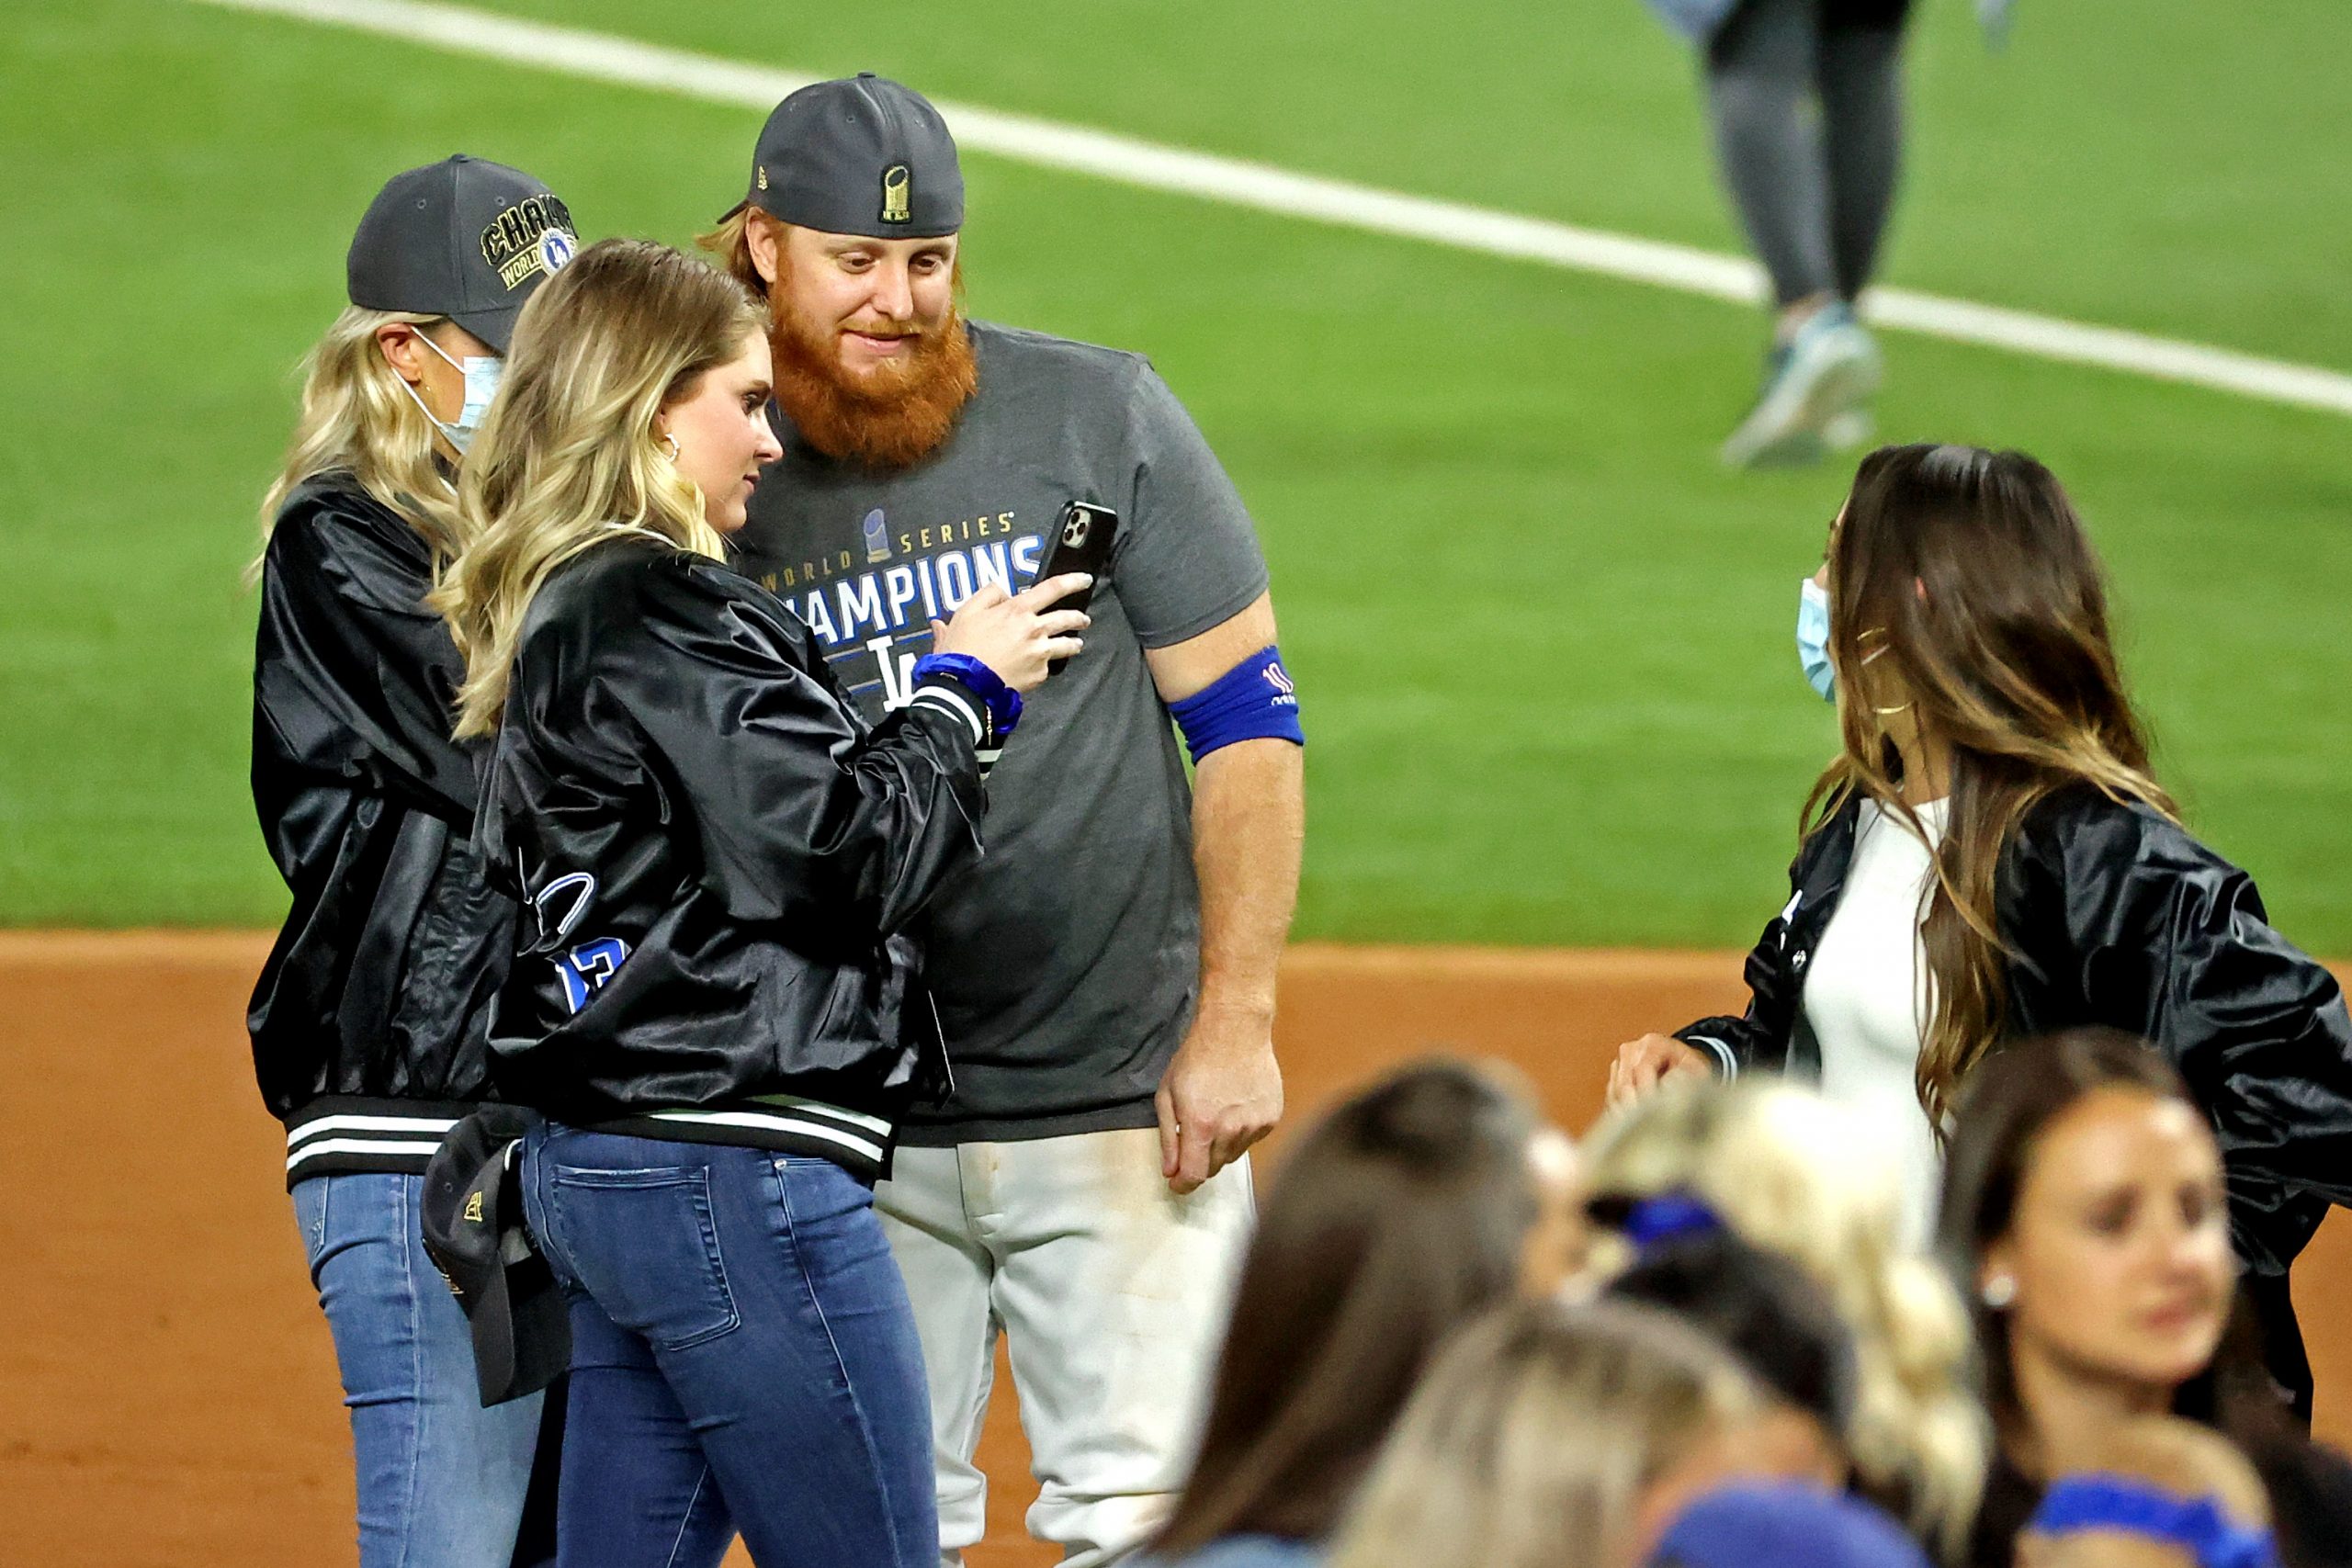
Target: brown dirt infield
{"x": 170, "y": 1393}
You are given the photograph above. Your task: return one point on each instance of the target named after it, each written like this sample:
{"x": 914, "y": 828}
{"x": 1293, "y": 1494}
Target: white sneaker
{"x": 1829, "y": 369}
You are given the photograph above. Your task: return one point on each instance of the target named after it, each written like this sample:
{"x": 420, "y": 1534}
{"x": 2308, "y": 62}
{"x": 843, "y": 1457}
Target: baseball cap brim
{"x": 495, "y": 327}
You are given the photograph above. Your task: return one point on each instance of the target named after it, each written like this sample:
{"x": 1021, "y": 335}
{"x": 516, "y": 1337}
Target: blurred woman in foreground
{"x": 2087, "y": 1214}
{"x": 713, "y": 855}
{"x": 1551, "y": 1436}
{"x": 1786, "y": 1171}
{"x": 1403, "y": 1212}
{"x": 1990, "y": 858}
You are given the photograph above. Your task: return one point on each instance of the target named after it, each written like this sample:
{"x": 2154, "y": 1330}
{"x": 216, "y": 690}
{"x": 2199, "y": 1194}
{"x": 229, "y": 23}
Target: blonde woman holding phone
{"x": 710, "y": 1000}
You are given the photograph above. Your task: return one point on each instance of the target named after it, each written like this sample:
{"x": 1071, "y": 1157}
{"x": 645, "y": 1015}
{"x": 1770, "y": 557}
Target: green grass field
{"x": 1544, "y": 639}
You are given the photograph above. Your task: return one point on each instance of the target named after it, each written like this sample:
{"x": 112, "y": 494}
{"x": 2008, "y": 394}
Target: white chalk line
{"x": 625, "y": 62}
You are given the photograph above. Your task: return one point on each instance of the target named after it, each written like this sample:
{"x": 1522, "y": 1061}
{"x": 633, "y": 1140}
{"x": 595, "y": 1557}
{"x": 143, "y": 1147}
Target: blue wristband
{"x": 1004, "y": 701}
{"x": 2131, "y": 1507}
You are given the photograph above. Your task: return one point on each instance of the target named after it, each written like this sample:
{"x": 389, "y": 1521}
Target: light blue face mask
{"x": 1812, "y": 640}
{"x": 482, "y": 373}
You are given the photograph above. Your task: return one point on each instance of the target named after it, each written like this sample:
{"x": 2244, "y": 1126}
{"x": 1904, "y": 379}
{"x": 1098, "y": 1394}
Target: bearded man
{"x": 1104, "y": 978}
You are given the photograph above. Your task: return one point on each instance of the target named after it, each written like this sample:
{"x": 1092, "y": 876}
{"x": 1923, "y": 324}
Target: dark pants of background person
{"x": 1806, "y": 97}
{"x": 744, "y": 1357}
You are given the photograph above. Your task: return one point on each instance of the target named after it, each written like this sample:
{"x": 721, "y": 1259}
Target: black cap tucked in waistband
{"x": 475, "y": 1233}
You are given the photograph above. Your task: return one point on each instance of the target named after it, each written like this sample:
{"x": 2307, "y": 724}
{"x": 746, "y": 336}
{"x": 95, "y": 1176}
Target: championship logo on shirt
{"x": 534, "y": 236}
{"x": 876, "y": 529}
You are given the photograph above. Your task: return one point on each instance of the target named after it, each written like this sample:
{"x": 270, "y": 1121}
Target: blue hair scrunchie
{"x": 1669, "y": 1217}
{"x": 2130, "y": 1506}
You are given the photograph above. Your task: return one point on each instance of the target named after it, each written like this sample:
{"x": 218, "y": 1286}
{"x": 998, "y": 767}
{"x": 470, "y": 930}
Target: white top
{"x": 1868, "y": 996}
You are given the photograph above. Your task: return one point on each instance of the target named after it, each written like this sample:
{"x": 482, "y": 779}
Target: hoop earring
{"x": 671, "y": 441}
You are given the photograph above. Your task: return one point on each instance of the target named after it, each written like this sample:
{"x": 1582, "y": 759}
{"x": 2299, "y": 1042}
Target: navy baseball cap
{"x": 461, "y": 237}
{"x": 1784, "y": 1527}
{"x": 858, "y": 155}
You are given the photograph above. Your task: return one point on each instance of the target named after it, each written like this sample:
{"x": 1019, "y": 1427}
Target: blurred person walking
{"x": 1105, "y": 979}
{"x": 714, "y": 853}
{"x": 1804, "y": 99}
{"x": 1786, "y": 1171}
{"x": 1553, "y": 1435}
{"x": 368, "y": 1020}
{"x": 1990, "y": 857}
{"x": 1410, "y": 1208}
{"x": 2087, "y": 1219}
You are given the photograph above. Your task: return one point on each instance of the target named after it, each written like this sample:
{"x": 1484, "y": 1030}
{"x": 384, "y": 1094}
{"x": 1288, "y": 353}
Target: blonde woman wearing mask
{"x": 369, "y": 1017}
{"x": 709, "y": 1002}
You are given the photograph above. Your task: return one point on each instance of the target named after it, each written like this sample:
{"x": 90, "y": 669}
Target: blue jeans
{"x": 744, "y": 1357}
{"x": 441, "y": 1480}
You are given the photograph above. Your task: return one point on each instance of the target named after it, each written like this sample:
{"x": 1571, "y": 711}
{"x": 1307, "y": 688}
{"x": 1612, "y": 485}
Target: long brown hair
{"x": 2011, "y": 1103}
{"x": 1399, "y": 1214}
{"x": 1962, "y": 587}
{"x": 567, "y": 458}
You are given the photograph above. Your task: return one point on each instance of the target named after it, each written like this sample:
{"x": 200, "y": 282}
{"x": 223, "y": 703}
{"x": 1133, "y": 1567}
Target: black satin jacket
{"x": 2120, "y": 917}
{"x": 715, "y": 853}
{"x": 368, "y": 1020}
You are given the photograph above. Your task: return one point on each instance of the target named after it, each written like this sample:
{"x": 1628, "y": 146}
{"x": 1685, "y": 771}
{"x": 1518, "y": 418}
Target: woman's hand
{"x": 1016, "y": 635}
{"x": 1643, "y": 1064}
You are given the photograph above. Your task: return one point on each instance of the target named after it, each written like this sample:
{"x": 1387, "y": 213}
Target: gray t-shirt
{"x": 1065, "y": 963}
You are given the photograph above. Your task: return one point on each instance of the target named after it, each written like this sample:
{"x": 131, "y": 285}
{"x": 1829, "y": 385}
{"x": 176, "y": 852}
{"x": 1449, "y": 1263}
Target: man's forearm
{"x": 1249, "y": 824}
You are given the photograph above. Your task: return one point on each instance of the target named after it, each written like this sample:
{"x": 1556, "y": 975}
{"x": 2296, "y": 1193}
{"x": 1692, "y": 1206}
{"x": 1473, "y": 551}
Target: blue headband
{"x": 1669, "y": 1217}
{"x": 2134, "y": 1507}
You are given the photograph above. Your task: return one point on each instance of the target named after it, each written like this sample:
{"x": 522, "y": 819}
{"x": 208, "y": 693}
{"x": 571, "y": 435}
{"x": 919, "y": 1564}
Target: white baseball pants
{"x": 1113, "y": 1292}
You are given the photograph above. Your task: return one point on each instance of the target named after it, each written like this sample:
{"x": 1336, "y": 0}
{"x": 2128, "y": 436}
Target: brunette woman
{"x": 1409, "y": 1208}
{"x": 2086, "y": 1216}
{"x": 1991, "y": 857}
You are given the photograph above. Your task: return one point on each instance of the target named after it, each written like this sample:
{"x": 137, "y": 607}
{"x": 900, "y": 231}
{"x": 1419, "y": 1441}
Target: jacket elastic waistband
{"x": 785, "y": 1123}
{"x": 349, "y": 1134}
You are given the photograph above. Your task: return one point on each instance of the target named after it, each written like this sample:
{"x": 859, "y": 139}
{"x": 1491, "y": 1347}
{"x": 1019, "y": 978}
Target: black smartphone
{"x": 1082, "y": 541}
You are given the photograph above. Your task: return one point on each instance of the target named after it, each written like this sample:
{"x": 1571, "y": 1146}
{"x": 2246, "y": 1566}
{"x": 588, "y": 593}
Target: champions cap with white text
{"x": 461, "y": 237}
{"x": 858, "y": 155}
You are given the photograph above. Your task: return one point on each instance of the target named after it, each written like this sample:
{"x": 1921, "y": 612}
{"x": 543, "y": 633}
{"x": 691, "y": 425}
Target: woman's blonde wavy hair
{"x": 1534, "y": 1436}
{"x": 567, "y": 458}
{"x": 358, "y": 416}
{"x": 1963, "y": 590}
{"x": 1788, "y": 1170}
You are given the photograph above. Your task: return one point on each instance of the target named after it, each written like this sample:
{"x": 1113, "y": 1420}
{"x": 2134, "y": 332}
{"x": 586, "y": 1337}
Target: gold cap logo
{"x": 762, "y": 170}
{"x": 898, "y": 190}
{"x": 473, "y": 1207}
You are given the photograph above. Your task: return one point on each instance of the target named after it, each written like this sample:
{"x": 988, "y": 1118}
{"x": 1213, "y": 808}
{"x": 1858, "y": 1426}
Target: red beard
{"x": 892, "y": 416}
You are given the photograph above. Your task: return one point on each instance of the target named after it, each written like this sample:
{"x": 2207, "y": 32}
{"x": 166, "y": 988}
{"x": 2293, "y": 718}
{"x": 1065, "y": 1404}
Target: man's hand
{"x": 1222, "y": 1092}
{"x": 1643, "y": 1064}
